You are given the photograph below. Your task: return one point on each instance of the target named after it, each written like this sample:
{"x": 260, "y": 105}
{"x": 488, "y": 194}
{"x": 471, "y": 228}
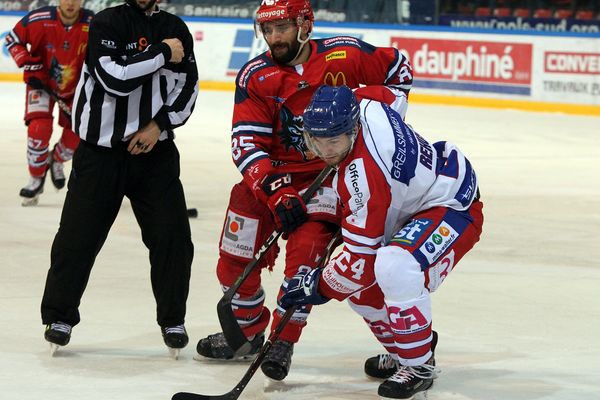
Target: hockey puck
{"x": 192, "y": 213}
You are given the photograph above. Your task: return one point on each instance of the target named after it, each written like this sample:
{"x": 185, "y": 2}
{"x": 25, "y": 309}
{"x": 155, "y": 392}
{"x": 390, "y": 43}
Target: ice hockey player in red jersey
{"x": 411, "y": 211}
{"x": 49, "y": 44}
{"x": 268, "y": 149}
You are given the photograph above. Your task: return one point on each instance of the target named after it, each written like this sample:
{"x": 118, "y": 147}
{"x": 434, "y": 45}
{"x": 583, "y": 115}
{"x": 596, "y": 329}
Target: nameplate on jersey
{"x": 340, "y": 41}
{"x": 249, "y": 70}
{"x": 355, "y": 180}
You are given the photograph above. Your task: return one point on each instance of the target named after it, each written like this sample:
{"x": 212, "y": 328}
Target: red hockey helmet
{"x": 273, "y": 10}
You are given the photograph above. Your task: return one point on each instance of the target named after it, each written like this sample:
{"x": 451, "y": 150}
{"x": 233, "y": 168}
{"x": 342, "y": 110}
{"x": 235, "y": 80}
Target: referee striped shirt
{"x": 127, "y": 79}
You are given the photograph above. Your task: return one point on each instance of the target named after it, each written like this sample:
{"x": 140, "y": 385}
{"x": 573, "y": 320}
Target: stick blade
{"x": 231, "y": 329}
{"x": 195, "y": 396}
{"x": 191, "y": 396}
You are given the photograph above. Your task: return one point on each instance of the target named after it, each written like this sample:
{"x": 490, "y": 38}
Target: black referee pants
{"x": 99, "y": 180}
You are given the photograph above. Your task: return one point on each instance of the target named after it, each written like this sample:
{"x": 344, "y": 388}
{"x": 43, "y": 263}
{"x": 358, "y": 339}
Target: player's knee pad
{"x": 398, "y": 273}
{"x": 40, "y": 130}
{"x": 247, "y": 225}
{"x": 37, "y": 105}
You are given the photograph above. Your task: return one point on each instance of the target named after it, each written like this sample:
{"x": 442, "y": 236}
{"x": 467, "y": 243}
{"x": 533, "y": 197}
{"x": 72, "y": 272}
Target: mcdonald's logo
{"x": 333, "y": 80}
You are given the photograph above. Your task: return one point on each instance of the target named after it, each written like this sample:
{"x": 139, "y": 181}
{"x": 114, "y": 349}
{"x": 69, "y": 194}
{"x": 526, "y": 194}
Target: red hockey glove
{"x": 34, "y": 68}
{"x": 284, "y": 201}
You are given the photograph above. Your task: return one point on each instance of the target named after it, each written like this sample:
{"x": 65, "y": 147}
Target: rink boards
{"x": 537, "y": 71}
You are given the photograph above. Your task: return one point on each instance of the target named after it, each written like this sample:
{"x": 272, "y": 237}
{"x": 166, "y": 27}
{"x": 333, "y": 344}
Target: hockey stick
{"x": 231, "y": 329}
{"x": 39, "y": 85}
{"x": 234, "y": 393}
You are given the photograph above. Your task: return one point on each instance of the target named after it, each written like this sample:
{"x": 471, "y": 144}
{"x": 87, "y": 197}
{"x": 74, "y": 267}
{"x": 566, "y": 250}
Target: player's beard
{"x": 285, "y": 57}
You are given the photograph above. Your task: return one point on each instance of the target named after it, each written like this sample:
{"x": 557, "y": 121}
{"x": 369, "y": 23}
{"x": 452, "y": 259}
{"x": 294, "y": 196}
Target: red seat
{"x": 542, "y": 13}
{"x": 465, "y": 9}
{"x": 521, "y": 12}
{"x": 502, "y": 12}
{"x": 563, "y": 14}
{"x": 483, "y": 12}
{"x": 584, "y": 14}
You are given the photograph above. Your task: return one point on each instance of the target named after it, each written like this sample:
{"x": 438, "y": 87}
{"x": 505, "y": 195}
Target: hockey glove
{"x": 33, "y": 68}
{"x": 284, "y": 201}
{"x": 303, "y": 289}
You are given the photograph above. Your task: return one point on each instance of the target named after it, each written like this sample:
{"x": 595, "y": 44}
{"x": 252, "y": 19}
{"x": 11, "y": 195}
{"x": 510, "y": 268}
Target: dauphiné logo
{"x": 469, "y": 60}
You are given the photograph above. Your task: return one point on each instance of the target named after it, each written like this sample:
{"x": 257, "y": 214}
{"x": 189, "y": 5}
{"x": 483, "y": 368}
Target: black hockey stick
{"x": 234, "y": 393}
{"x": 36, "y": 83}
{"x": 231, "y": 329}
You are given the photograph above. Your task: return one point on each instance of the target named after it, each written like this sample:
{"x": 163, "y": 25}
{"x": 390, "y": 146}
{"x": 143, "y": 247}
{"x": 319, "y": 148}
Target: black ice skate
{"x": 383, "y": 366}
{"x": 57, "y": 172}
{"x": 176, "y": 338}
{"x": 278, "y": 360}
{"x": 408, "y": 381}
{"x": 216, "y": 347}
{"x": 32, "y": 191}
{"x": 58, "y": 334}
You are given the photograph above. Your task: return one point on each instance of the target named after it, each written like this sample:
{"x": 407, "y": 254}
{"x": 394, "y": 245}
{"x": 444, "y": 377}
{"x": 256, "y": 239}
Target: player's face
{"x": 331, "y": 150}
{"x": 282, "y": 38}
{"x": 69, "y": 8}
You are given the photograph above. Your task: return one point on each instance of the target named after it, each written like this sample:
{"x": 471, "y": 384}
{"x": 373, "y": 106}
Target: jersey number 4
{"x": 358, "y": 267}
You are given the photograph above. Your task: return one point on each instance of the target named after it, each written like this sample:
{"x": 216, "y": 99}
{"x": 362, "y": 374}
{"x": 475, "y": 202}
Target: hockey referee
{"x": 139, "y": 82}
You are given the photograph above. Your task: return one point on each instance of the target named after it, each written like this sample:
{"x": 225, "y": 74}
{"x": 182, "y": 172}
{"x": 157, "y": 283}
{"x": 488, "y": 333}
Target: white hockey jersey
{"x": 390, "y": 175}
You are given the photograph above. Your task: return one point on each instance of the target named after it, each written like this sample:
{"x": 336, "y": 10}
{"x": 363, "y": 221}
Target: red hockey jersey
{"x": 62, "y": 48}
{"x": 270, "y": 100}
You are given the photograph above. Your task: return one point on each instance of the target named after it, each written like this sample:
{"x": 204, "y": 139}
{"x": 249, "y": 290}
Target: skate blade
{"x": 174, "y": 353}
{"x": 243, "y": 359}
{"x": 30, "y": 202}
{"x": 53, "y": 349}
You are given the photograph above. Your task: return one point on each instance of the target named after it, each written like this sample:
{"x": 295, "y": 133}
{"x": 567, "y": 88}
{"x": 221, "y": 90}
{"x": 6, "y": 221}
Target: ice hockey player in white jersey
{"x": 411, "y": 211}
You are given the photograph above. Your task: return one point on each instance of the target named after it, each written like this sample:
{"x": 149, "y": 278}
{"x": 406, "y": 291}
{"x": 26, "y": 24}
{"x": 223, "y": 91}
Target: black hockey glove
{"x": 284, "y": 201}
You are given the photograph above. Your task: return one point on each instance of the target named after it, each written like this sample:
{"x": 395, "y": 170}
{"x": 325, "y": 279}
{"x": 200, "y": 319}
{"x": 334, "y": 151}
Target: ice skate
{"x": 176, "y": 338}
{"x": 383, "y": 366}
{"x": 31, "y": 193}
{"x": 278, "y": 360}
{"x": 58, "y": 334}
{"x": 57, "y": 172}
{"x": 408, "y": 381}
{"x": 216, "y": 347}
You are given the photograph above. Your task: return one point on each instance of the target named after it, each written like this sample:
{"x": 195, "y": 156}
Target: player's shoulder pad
{"x": 47, "y": 13}
{"x": 251, "y": 68}
{"x": 342, "y": 43}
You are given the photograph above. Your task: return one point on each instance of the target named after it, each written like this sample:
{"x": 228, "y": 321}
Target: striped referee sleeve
{"x": 117, "y": 95}
{"x": 118, "y": 75}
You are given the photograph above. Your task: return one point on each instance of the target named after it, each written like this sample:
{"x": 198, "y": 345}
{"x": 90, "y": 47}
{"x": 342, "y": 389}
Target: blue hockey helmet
{"x": 332, "y": 111}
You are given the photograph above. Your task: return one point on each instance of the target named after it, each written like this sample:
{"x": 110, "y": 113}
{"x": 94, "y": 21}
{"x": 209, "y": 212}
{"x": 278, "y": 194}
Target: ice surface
{"x": 518, "y": 319}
